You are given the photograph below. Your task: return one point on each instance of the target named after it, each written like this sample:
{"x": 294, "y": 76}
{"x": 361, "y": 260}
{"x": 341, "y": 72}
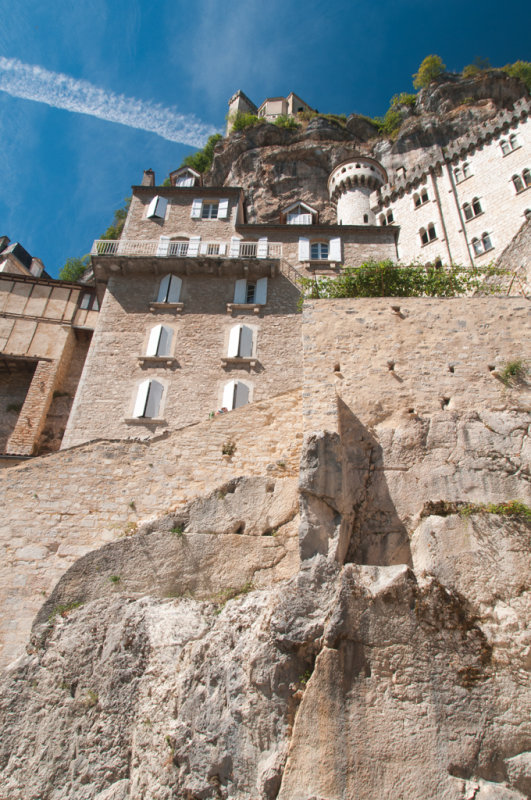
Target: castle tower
{"x": 350, "y": 186}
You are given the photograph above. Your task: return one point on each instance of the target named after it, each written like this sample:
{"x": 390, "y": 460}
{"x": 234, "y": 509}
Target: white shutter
{"x": 203, "y": 248}
{"x": 193, "y": 246}
{"x": 234, "y": 341}
{"x": 246, "y": 342}
{"x": 242, "y": 395}
{"x": 141, "y": 397}
{"x": 197, "y": 207}
{"x": 162, "y": 296}
{"x": 153, "y": 343}
{"x": 157, "y": 207}
{"x": 174, "y": 291}
{"x": 334, "y": 251}
{"x": 222, "y": 248}
{"x": 164, "y": 347}
{"x": 153, "y": 399}
{"x": 260, "y": 295}
{"x": 164, "y": 243}
{"x": 223, "y": 209}
{"x": 304, "y": 249}
{"x": 240, "y": 291}
{"x": 261, "y": 251}
{"x": 228, "y": 396}
{"x": 234, "y": 247}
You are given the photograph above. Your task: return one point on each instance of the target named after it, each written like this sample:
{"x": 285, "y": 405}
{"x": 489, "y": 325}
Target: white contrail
{"x": 58, "y": 90}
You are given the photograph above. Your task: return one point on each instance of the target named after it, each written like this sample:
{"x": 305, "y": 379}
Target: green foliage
{"x": 470, "y": 71}
{"x": 403, "y": 99}
{"x": 231, "y": 592}
{"x": 74, "y": 268}
{"x": 228, "y": 448}
{"x": 521, "y": 70}
{"x": 114, "y": 231}
{"x": 387, "y": 279}
{"x": 283, "y": 121}
{"x": 513, "y": 372}
{"x": 115, "y": 579}
{"x": 513, "y": 508}
{"x": 240, "y": 121}
{"x": 178, "y": 530}
{"x": 389, "y": 125}
{"x": 341, "y": 118}
{"x": 431, "y": 68}
{"x": 166, "y": 182}
{"x": 202, "y": 160}
{"x": 305, "y": 677}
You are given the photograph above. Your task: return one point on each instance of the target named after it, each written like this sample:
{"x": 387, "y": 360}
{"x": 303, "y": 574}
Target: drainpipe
{"x": 441, "y": 218}
{"x": 459, "y": 212}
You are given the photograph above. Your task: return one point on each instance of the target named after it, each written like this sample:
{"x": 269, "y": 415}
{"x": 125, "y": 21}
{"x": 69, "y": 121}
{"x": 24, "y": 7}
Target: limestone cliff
{"x": 272, "y": 164}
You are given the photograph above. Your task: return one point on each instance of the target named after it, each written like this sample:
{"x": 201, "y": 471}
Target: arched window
{"x": 458, "y": 175}
{"x": 423, "y": 236}
{"x": 486, "y": 242}
{"x": 383, "y": 220}
{"x": 513, "y": 141}
{"x": 169, "y": 289}
{"x": 365, "y": 218}
{"x": 420, "y": 199}
{"x": 240, "y": 342}
{"x": 178, "y": 246}
{"x": 526, "y": 175}
{"x": 416, "y": 200}
{"x": 467, "y": 172}
{"x": 432, "y": 233}
{"x": 476, "y": 207}
{"x": 518, "y": 183}
{"x": 390, "y": 217}
{"x": 467, "y": 211}
{"x": 159, "y": 343}
{"x": 505, "y": 147}
{"x": 149, "y": 395}
{"x": 235, "y": 395}
{"x": 478, "y": 247}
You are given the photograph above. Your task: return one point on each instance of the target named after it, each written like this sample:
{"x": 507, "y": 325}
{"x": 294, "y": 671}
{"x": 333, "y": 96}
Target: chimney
{"x": 4, "y": 241}
{"x": 149, "y": 178}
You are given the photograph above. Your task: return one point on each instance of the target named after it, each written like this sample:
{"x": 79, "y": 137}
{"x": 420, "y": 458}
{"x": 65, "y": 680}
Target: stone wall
{"x": 14, "y": 385}
{"x": 194, "y": 382}
{"x": 61, "y": 506}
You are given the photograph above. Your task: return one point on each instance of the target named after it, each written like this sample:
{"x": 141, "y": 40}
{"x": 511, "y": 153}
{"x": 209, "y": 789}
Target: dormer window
{"x": 203, "y": 208}
{"x": 184, "y": 177}
{"x": 300, "y": 214}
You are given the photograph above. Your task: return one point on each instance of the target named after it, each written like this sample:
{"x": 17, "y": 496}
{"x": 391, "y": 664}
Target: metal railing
{"x": 180, "y": 249}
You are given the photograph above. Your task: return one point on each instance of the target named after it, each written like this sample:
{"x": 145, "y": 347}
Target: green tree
{"x": 521, "y": 70}
{"x": 74, "y": 268}
{"x": 114, "y": 231}
{"x": 202, "y": 160}
{"x": 431, "y": 68}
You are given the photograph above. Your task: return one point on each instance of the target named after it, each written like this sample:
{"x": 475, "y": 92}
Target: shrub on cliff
{"x": 283, "y": 121}
{"x": 387, "y": 279}
{"x": 241, "y": 121}
{"x": 202, "y": 160}
{"x": 431, "y": 68}
{"x": 74, "y": 268}
{"x": 521, "y": 70}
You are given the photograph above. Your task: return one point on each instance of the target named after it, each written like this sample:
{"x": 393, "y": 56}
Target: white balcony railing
{"x": 180, "y": 249}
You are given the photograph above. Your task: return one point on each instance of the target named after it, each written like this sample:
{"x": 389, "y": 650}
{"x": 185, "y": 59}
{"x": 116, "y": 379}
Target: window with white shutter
{"x": 223, "y": 209}
{"x": 157, "y": 208}
{"x": 193, "y": 246}
{"x": 235, "y": 395}
{"x": 197, "y": 206}
{"x": 335, "y": 249}
{"x": 169, "y": 289}
{"x": 164, "y": 243}
{"x": 159, "y": 343}
{"x": 261, "y": 250}
{"x": 240, "y": 342}
{"x": 149, "y": 395}
{"x": 304, "y": 249}
{"x": 240, "y": 291}
{"x": 260, "y": 295}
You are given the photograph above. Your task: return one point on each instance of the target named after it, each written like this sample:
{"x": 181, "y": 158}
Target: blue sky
{"x": 139, "y": 82}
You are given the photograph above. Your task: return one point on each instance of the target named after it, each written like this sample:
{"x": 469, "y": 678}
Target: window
{"x": 149, "y": 395}
{"x": 472, "y": 209}
{"x": 185, "y": 177}
{"x": 179, "y": 247}
{"x": 319, "y": 251}
{"x": 240, "y": 342}
{"x": 383, "y": 220}
{"x": 250, "y": 293}
{"x": 526, "y": 175}
{"x": 365, "y": 218}
{"x": 458, "y": 175}
{"x": 210, "y": 209}
{"x": 169, "y": 289}
{"x": 467, "y": 172}
{"x": 157, "y": 208}
{"x": 300, "y": 214}
{"x": 518, "y": 183}
{"x": 235, "y": 395}
{"x": 482, "y": 245}
{"x": 510, "y": 144}
{"x": 159, "y": 343}
{"x": 420, "y": 199}
{"x": 390, "y": 217}
{"x": 428, "y": 235}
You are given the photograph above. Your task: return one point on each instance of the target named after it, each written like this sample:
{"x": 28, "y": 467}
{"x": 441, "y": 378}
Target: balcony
{"x": 183, "y": 249}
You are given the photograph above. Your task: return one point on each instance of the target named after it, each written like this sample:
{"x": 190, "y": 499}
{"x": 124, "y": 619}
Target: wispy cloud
{"x": 60, "y": 91}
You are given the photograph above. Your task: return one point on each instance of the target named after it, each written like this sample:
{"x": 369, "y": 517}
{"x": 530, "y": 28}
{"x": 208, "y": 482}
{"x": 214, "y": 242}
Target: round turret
{"x": 351, "y": 184}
